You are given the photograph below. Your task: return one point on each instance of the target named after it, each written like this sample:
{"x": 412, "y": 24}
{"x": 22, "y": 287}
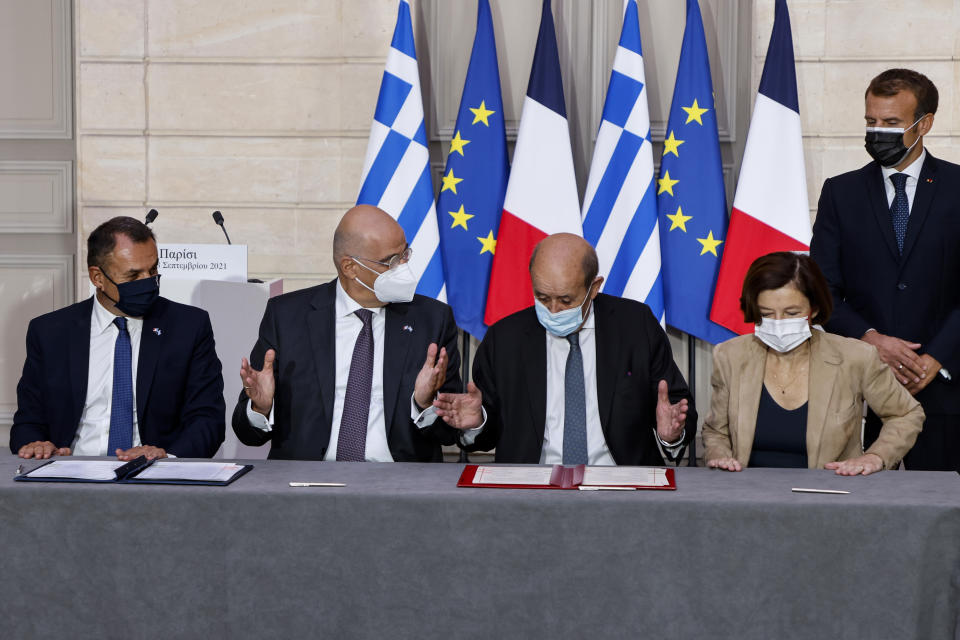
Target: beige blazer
{"x": 843, "y": 373}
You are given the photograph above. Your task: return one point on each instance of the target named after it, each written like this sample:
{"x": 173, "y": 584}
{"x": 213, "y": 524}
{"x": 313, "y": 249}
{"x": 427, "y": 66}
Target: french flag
{"x": 541, "y": 196}
{"x": 770, "y": 209}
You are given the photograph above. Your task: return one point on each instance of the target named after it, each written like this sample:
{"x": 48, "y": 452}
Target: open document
{"x": 561, "y": 477}
{"x": 138, "y": 471}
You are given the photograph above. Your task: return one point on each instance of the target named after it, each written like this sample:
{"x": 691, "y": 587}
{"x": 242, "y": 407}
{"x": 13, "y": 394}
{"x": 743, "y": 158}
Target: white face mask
{"x": 783, "y": 335}
{"x": 393, "y": 285}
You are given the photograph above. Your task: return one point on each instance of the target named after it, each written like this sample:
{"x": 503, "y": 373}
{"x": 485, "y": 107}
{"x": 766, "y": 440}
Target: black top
{"x": 780, "y": 439}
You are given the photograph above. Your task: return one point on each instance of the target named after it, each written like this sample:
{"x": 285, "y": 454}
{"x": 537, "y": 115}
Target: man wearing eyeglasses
{"x": 348, "y": 370}
{"x": 124, "y": 373}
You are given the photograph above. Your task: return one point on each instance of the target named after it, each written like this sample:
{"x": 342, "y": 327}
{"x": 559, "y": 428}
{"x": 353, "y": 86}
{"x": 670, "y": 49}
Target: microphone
{"x": 218, "y": 218}
{"x": 151, "y": 216}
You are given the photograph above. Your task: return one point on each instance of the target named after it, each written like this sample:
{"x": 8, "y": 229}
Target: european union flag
{"x": 474, "y": 183}
{"x": 692, "y": 202}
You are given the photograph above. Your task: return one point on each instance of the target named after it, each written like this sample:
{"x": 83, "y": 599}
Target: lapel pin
{"x": 929, "y": 179}
{"x": 157, "y": 331}
{"x": 407, "y": 328}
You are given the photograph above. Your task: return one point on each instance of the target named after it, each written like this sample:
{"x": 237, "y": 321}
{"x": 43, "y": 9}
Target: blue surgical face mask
{"x": 561, "y": 323}
{"x": 137, "y": 296}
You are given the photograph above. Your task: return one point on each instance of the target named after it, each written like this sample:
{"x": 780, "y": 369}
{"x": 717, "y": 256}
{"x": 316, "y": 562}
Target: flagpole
{"x": 464, "y": 377}
{"x": 692, "y": 384}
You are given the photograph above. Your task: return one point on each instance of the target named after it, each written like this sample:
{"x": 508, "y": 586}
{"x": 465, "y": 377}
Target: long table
{"x": 401, "y": 552}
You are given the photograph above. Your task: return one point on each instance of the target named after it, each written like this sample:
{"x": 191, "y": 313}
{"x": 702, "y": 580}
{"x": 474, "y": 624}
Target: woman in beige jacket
{"x": 789, "y": 396}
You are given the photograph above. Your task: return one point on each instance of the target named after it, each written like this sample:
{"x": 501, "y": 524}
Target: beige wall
{"x": 258, "y": 109}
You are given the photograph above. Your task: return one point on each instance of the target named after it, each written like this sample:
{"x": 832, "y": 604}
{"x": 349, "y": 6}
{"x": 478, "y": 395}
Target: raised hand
{"x": 432, "y": 375}
{"x": 671, "y": 418}
{"x": 461, "y": 410}
{"x": 259, "y": 385}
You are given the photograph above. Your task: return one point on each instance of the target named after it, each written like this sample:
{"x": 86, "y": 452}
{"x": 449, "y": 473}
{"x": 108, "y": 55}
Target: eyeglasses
{"x": 393, "y": 261}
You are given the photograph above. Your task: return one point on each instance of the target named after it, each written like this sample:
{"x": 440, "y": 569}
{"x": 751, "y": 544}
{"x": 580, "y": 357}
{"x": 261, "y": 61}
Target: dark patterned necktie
{"x": 121, "y": 407}
{"x": 900, "y": 208}
{"x": 574, "y": 406}
{"x": 352, "y": 442}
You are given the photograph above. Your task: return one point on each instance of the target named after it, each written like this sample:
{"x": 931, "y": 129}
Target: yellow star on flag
{"x": 489, "y": 243}
{"x": 481, "y": 113}
{"x": 694, "y": 113}
{"x": 679, "y": 220}
{"x": 460, "y": 218}
{"x": 666, "y": 184}
{"x": 709, "y": 244}
{"x": 450, "y": 181}
{"x": 458, "y": 143}
{"x": 671, "y": 144}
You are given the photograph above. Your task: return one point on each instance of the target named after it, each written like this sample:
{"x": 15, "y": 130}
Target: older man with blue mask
{"x": 581, "y": 377}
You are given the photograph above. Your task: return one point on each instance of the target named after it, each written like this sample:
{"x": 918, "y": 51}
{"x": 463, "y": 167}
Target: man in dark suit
{"x": 124, "y": 373}
{"x": 348, "y": 370}
{"x": 580, "y": 378}
{"x": 887, "y": 237}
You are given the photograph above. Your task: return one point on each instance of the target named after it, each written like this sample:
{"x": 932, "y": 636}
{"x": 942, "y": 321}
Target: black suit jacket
{"x": 300, "y": 327}
{"x": 179, "y": 381}
{"x": 915, "y": 296}
{"x": 633, "y": 355}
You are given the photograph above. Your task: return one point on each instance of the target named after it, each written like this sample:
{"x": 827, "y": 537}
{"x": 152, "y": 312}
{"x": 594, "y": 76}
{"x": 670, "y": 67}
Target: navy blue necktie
{"x": 900, "y": 209}
{"x": 574, "y": 406}
{"x": 121, "y": 408}
{"x": 352, "y": 441}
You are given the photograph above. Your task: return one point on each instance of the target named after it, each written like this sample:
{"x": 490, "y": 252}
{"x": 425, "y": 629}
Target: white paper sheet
{"x": 513, "y": 475}
{"x": 79, "y": 469}
{"x": 625, "y": 476}
{"x": 201, "y": 471}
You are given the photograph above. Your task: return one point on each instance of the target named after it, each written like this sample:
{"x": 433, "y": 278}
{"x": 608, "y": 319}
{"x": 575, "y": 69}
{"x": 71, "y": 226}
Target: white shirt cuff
{"x": 469, "y": 436}
{"x": 673, "y": 448}
{"x": 258, "y": 420}
{"x": 423, "y": 418}
{"x": 945, "y": 374}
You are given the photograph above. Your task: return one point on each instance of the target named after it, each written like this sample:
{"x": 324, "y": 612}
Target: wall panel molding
{"x": 59, "y": 122}
{"x": 57, "y": 271}
{"x": 36, "y": 196}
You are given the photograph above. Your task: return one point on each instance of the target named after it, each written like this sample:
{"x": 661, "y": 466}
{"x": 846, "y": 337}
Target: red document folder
{"x": 561, "y": 477}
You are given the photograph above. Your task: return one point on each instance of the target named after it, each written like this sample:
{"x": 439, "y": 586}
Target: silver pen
{"x": 832, "y": 491}
{"x": 19, "y": 470}
{"x": 317, "y": 484}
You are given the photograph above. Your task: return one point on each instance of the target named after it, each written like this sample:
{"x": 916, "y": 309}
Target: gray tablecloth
{"x": 401, "y": 552}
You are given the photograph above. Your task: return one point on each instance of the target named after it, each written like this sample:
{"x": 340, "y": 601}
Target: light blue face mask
{"x": 561, "y": 323}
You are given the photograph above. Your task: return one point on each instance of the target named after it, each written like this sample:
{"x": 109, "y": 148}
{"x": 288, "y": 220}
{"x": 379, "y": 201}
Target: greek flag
{"x": 620, "y": 208}
{"x": 396, "y": 171}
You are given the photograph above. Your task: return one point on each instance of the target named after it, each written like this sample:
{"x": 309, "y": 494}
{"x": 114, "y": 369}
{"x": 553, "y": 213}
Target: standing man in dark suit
{"x": 348, "y": 370}
{"x": 887, "y": 237}
{"x": 124, "y": 373}
{"x": 579, "y": 378}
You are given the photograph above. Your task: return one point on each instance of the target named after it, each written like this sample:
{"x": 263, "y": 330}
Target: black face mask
{"x": 136, "y": 296}
{"x": 885, "y": 144}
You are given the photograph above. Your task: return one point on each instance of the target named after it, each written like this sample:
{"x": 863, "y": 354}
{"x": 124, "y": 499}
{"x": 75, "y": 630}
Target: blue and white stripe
{"x": 620, "y": 209}
{"x": 396, "y": 171}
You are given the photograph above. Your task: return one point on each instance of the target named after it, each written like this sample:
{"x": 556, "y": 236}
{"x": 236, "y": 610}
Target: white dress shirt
{"x": 913, "y": 176}
{"x": 347, "y": 328}
{"x": 93, "y": 434}
{"x": 557, "y": 350}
